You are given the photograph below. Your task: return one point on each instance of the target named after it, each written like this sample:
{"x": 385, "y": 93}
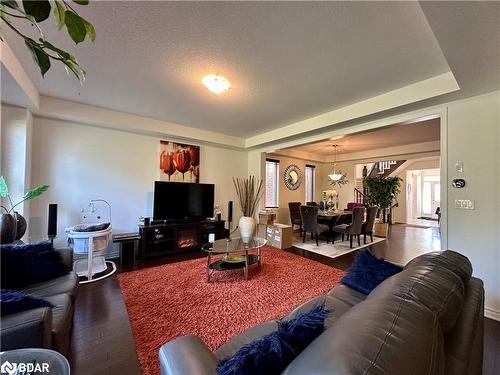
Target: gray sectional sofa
{"x": 427, "y": 319}
{"x": 45, "y": 327}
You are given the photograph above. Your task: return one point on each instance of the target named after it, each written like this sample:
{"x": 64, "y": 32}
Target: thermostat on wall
{"x": 458, "y": 183}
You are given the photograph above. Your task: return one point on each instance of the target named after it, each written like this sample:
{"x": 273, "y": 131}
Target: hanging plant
{"x": 43, "y": 51}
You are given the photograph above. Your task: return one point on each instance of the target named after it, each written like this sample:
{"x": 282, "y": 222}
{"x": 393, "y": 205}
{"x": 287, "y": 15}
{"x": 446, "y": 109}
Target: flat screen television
{"x": 183, "y": 201}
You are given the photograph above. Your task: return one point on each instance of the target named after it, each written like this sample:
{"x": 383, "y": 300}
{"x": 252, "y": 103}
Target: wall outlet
{"x": 464, "y": 204}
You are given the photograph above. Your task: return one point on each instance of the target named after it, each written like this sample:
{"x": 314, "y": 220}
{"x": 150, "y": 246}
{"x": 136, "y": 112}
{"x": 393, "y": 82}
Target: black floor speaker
{"x": 52, "y": 223}
{"x": 230, "y": 212}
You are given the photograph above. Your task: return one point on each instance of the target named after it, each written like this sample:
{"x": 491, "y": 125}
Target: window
{"x": 309, "y": 182}
{"x": 272, "y": 182}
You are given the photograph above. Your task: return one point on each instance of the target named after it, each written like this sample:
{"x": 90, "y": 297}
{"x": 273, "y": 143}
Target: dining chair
{"x": 311, "y": 204}
{"x": 367, "y": 226}
{"x": 310, "y": 224}
{"x": 345, "y": 217}
{"x": 295, "y": 217}
{"x": 353, "y": 229}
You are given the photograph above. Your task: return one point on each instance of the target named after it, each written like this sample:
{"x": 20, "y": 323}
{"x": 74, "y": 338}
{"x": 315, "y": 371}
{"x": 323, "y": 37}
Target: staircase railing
{"x": 359, "y": 196}
{"x": 389, "y": 214}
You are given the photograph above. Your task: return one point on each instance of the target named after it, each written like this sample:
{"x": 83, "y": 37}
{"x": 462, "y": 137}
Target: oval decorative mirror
{"x": 293, "y": 177}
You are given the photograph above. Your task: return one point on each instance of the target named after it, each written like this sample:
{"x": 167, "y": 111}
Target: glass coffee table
{"x": 236, "y": 253}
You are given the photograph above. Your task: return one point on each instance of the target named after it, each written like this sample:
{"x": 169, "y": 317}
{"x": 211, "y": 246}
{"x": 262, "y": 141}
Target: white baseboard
{"x": 492, "y": 313}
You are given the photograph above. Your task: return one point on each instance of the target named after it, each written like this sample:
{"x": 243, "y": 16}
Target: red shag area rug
{"x": 175, "y": 299}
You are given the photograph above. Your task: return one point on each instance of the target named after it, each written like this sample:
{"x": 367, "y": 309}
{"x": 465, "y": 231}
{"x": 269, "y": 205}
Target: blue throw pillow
{"x": 13, "y": 301}
{"x": 272, "y": 353}
{"x": 367, "y": 272}
{"x": 29, "y": 264}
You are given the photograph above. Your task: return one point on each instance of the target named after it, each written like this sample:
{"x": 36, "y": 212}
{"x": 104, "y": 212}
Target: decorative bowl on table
{"x": 233, "y": 258}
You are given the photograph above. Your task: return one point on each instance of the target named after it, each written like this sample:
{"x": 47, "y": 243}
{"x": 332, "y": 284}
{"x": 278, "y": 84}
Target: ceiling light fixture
{"x": 337, "y": 137}
{"x": 216, "y": 84}
{"x": 337, "y": 177}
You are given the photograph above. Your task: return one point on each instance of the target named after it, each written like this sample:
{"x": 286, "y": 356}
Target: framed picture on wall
{"x": 179, "y": 162}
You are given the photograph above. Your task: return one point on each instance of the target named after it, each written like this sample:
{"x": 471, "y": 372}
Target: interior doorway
{"x": 423, "y": 198}
{"x": 415, "y": 143}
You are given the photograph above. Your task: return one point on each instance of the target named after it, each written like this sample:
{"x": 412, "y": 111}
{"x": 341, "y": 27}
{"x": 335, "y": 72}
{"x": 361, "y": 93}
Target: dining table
{"x": 334, "y": 217}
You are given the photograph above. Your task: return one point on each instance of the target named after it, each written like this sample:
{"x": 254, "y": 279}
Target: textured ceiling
{"x": 287, "y": 61}
{"x": 398, "y": 135}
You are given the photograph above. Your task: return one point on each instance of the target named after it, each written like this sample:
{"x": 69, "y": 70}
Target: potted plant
{"x": 249, "y": 191}
{"x": 381, "y": 191}
{"x": 13, "y": 224}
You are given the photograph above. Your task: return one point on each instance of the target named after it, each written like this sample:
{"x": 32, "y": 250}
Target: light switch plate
{"x": 464, "y": 204}
{"x": 459, "y": 166}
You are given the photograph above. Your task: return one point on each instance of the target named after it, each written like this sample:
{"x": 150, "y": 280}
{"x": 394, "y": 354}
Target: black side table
{"x": 127, "y": 243}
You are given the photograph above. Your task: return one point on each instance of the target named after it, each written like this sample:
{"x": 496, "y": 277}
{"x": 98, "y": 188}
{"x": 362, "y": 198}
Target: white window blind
{"x": 309, "y": 183}
{"x": 272, "y": 182}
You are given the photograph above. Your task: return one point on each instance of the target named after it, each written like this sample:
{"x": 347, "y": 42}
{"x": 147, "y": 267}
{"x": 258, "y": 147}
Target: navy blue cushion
{"x": 367, "y": 272}
{"x": 272, "y": 353}
{"x": 29, "y": 264}
{"x": 13, "y": 301}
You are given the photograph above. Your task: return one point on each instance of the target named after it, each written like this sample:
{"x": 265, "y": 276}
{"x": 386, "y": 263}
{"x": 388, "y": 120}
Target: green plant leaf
{"x": 81, "y": 2}
{"x": 39, "y": 10}
{"x": 4, "y": 189}
{"x": 68, "y": 60}
{"x": 90, "y": 30}
{"x": 12, "y": 4}
{"x": 39, "y": 190}
{"x": 59, "y": 15}
{"x": 75, "y": 69}
{"x": 39, "y": 56}
{"x": 63, "y": 54}
{"x": 3, "y": 15}
{"x": 382, "y": 191}
{"x": 76, "y": 26}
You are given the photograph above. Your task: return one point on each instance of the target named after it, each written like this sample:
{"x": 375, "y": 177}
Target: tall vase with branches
{"x": 249, "y": 191}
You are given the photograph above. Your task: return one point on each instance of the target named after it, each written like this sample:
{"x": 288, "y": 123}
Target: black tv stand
{"x": 181, "y": 221}
{"x": 164, "y": 237}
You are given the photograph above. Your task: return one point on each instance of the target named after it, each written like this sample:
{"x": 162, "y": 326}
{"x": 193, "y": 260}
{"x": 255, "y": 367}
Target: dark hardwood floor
{"x": 102, "y": 341}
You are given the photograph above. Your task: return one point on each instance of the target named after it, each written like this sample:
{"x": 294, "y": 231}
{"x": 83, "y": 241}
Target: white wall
{"x": 474, "y": 139}
{"x": 81, "y": 162}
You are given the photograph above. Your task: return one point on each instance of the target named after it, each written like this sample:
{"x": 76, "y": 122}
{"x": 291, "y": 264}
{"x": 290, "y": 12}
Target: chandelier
{"x": 337, "y": 177}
